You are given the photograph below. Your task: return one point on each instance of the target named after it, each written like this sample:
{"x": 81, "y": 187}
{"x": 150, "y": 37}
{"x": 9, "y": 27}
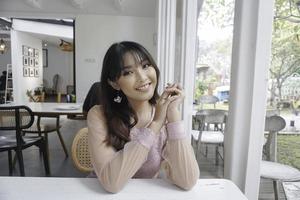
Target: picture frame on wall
{"x": 31, "y": 72}
{"x": 36, "y": 72}
{"x": 31, "y": 62}
{"x": 36, "y": 62}
{"x": 25, "y": 71}
{"x": 25, "y": 61}
{"x": 36, "y": 53}
{"x": 45, "y": 57}
{"x": 25, "y": 50}
{"x": 31, "y": 52}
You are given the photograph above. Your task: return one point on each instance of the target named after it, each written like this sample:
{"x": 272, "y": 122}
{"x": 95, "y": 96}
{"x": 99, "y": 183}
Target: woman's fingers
{"x": 173, "y": 91}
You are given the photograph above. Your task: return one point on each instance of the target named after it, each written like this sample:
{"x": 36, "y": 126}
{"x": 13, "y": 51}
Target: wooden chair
{"x": 46, "y": 128}
{"x": 270, "y": 169}
{"x": 206, "y": 135}
{"x": 80, "y": 151}
{"x": 17, "y": 118}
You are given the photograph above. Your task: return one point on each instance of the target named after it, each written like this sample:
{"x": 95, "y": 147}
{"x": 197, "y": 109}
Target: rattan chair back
{"x": 80, "y": 151}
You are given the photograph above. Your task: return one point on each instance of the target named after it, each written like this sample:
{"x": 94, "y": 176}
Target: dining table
{"x": 51, "y": 110}
{"x": 49, "y": 188}
{"x": 47, "y": 109}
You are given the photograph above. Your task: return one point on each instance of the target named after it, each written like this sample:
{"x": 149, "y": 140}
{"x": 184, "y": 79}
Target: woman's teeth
{"x": 144, "y": 87}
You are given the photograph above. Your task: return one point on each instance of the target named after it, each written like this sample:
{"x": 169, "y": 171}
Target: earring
{"x": 118, "y": 98}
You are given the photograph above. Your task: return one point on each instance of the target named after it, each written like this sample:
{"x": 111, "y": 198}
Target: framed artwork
{"x": 36, "y": 53}
{"x": 30, "y": 51}
{"x": 31, "y": 72}
{"x": 25, "y": 61}
{"x": 25, "y": 50}
{"x": 45, "y": 57}
{"x": 36, "y": 72}
{"x": 36, "y": 62}
{"x": 31, "y": 62}
{"x": 25, "y": 71}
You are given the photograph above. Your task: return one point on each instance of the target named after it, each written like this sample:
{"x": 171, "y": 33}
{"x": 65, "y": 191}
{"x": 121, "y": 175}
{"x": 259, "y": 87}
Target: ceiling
{"x": 72, "y": 8}
{"x": 5, "y": 26}
{"x": 60, "y": 9}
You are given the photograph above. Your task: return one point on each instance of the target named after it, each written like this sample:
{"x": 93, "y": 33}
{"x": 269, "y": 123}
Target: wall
{"x": 22, "y": 84}
{"x": 95, "y": 33}
{"x": 59, "y": 62}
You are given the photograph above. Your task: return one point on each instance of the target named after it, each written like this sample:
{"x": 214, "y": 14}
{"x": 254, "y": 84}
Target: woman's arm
{"x": 114, "y": 168}
{"x": 180, "y": 163}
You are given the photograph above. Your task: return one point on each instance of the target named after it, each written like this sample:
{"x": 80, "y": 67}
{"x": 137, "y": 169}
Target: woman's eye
{"x": 147, "y": 65}
{"x": 126, "y": 73}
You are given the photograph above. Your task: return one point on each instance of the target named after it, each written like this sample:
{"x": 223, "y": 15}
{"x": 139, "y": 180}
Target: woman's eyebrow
{"x": 126, "y": 67}
{"x": 145, "y": 60}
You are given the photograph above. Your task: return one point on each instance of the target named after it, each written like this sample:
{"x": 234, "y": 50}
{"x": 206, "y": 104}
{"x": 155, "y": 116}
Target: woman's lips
{"x": 144, "y": 87}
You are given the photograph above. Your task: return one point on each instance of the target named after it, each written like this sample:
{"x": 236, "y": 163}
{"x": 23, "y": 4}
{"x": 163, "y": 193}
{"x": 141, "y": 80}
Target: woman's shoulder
{"x": 96, "y": 112}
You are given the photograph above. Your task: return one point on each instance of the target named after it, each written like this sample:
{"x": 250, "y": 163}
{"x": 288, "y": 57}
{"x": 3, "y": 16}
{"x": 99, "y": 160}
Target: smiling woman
{"x": 136, "y": 132}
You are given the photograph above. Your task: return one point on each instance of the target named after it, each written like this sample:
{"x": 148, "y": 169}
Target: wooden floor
{"x": 63, "y": 167}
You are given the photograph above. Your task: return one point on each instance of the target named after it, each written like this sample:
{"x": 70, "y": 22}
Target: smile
{"x": 144, "y": 87}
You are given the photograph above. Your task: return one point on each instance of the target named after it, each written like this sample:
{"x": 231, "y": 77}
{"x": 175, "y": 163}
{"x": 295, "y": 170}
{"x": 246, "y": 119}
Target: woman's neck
{"x": 141, "y": 108}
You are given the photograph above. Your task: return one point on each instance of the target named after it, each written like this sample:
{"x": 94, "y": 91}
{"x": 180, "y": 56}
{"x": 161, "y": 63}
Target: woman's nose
{"x": 141, "y": 75}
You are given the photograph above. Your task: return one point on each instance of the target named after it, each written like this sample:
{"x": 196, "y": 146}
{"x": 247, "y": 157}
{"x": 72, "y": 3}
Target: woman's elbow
{"x": 189, "y": 182}
{"x": 112, "y": 188}
{"x": 187, "y": 185}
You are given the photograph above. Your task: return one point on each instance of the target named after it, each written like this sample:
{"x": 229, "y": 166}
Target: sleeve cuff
{"x": 176, "y": 130}
{"x": 144, "y": 136}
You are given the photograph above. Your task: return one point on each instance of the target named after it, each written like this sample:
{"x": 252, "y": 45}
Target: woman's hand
{"x": 161, "y": 110}
{"x": 173, "y": 112}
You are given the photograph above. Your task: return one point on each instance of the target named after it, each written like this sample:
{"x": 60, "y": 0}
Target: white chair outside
{"x": 208, "y": 99}
{"x": 205, "y": 134}
{"x": 270, "y": 169}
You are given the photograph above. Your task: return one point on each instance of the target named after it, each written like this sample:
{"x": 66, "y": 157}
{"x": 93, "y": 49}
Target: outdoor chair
{"x": 207, "y": 135}
{"x": 80, "y": 151}
{"x": 270, "y": 169}
{"x": 14, "y": 119}
{"x": 208, "y": 99}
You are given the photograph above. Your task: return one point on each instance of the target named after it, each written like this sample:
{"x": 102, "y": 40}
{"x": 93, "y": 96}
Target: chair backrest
{"x": 273, "y": 124}
{"x": 15, "y": 117}
{"x": 80, "y": 151}
{"x": 208, "y": 99}
{"x": 211, "y": 116}
{"x": 55, "y": 82}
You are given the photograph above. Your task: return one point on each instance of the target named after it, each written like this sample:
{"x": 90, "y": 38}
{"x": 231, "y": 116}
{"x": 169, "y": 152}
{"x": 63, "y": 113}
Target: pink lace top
{"x": 143, "y": 156}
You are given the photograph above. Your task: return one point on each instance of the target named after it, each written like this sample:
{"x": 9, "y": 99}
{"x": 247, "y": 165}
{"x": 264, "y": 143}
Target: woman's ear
{"x": 113, "y": 84}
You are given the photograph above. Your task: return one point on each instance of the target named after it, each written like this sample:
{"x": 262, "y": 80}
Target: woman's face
{"x": 138, "y": 79}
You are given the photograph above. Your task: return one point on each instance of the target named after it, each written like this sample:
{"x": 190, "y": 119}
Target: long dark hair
{"x": 119, "y": 115}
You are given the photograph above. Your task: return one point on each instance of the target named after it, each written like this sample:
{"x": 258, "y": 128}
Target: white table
{"x": 52, "y": 109}
{"x": 55, "y": 109}
{"x": 36, "y": 188}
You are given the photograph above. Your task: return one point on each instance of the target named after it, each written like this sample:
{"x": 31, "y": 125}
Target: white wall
{"x": 95, "y": 33}
{"x": 5, "y": 58}
{"x": 21, "y": 84}
{"x": 59, "y": 62}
